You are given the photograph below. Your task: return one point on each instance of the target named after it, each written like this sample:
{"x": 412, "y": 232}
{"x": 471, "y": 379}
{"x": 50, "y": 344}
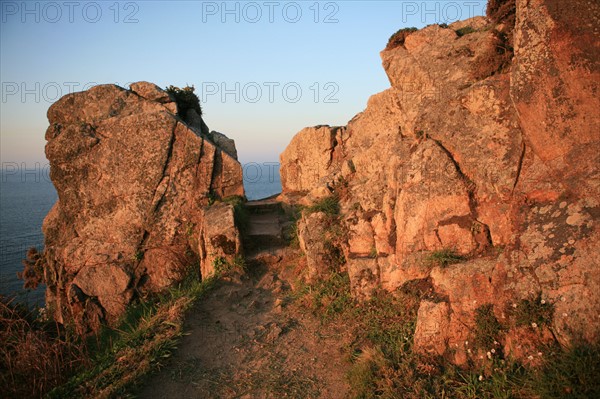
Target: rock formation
{"x": 133, "y": 181}
{"x": 474, "y": 155}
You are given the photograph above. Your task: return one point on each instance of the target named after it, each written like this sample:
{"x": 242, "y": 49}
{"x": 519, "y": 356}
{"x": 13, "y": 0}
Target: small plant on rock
{"x": 487, "y": 329}
{"x": 465, "y": 31}
{"x": 186, "y": 99}
{"x": 445, "y": 257}
{"x": 534, "y": 311}
{"x": 398, "y": 38}
{"x": 328, "y": 205}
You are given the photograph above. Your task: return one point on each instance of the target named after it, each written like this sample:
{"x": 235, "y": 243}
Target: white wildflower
{"x": 530, "y": 357}
{"x": 543, "y": 302}
{"x": 539, "y": 353}
{"x": 489, "y": 355}
{"x": 493, "y": 351}
{"x": 534, "y": 325}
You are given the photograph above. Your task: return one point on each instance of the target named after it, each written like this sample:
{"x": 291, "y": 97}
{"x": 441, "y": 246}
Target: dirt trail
{"x": 248, "y": 340}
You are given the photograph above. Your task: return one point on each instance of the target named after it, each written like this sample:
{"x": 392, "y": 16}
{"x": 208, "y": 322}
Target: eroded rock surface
{"x": 500, "y": 169}
{"x": 133, "y": 180}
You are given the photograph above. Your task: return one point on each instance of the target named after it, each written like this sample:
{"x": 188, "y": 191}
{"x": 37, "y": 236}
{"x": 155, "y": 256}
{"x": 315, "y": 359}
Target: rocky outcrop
{"x": 133, "y": 181}
{"x": 498, "y": 170}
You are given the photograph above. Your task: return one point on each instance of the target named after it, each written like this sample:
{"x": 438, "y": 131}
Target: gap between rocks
{"x": 247, "y": 339}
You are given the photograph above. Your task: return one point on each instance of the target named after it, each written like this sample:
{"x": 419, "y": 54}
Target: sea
{"x": 26, "y": 196}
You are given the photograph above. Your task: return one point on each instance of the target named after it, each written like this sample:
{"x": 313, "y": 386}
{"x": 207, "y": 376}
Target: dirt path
{"x": 248, "y": 340}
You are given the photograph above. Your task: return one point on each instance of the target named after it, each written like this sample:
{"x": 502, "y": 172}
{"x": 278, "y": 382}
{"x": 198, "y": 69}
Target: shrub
{"x": 465, "y": 31}
{"x": 398, "y": 38}
{"x": 186, "y": 99}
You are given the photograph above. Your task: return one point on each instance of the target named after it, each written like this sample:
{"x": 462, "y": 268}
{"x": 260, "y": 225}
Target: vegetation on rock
{"x": 398, "y": 38}
{"x": 186, "y": 99}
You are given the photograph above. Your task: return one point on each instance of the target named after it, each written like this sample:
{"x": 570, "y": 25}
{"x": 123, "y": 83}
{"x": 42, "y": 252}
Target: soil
{"x": 249, "y": 338}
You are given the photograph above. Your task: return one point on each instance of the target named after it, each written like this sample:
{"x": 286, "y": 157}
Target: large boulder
{"x": 469, "y": 154}
{"x": 132, "y": 181}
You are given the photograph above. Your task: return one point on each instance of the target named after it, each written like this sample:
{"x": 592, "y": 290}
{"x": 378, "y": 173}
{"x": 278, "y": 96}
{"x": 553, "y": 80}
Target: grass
{"x": 143, "y": 342}
{"x": 445, "y": 257}
{"x": 35, "y": 355}
{"x": 328, "y": 297}
{"x": 570, "y": 373}
{"x": 534, "y": 311}
{"x": 384, "y": 364}
{"x": 329, "y": 205}
{"x": 487, "y": 329}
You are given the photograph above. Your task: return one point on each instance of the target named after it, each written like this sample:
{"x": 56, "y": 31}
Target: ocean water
{"x": 261, "y": 180}
{"x": 26, "y": 196}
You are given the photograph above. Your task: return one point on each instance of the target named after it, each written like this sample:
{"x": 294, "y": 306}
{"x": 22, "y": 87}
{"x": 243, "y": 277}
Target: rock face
{"x": 133, "y": 180}
{"x": 219, "y": 237}
{"x": 499, "y": 170}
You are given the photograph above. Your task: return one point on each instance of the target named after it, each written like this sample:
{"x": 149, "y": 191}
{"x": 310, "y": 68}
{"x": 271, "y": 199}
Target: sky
{"x": 263, "y": 70}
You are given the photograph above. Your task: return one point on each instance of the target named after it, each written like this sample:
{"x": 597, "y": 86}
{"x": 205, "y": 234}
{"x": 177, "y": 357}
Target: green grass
{"x": 145, "y": 339}
{"x": 534, "y": 311}
{"x": 445, "y": 257}
{"x": 570, "y": 373}
{"x": 487, "y": 329}
{"x": 329, "y": 205}
{"x": 384, "y": 365}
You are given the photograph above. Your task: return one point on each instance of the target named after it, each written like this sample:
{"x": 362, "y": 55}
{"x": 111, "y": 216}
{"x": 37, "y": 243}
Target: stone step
{"x": 264, "y": 206}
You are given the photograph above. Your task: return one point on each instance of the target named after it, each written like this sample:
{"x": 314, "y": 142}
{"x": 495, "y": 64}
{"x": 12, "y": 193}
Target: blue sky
{"x": 264, "y": 69}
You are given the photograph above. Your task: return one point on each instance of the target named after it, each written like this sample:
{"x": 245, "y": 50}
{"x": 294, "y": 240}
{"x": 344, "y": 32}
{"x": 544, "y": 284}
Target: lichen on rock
{"x": 133, "y": 179}
{"x": 499, "y": 168}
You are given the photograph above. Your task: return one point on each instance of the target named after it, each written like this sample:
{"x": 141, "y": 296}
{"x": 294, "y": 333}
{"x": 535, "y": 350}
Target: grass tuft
{"x": 445, "y": 257}
{"x": 328, "y": 205}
